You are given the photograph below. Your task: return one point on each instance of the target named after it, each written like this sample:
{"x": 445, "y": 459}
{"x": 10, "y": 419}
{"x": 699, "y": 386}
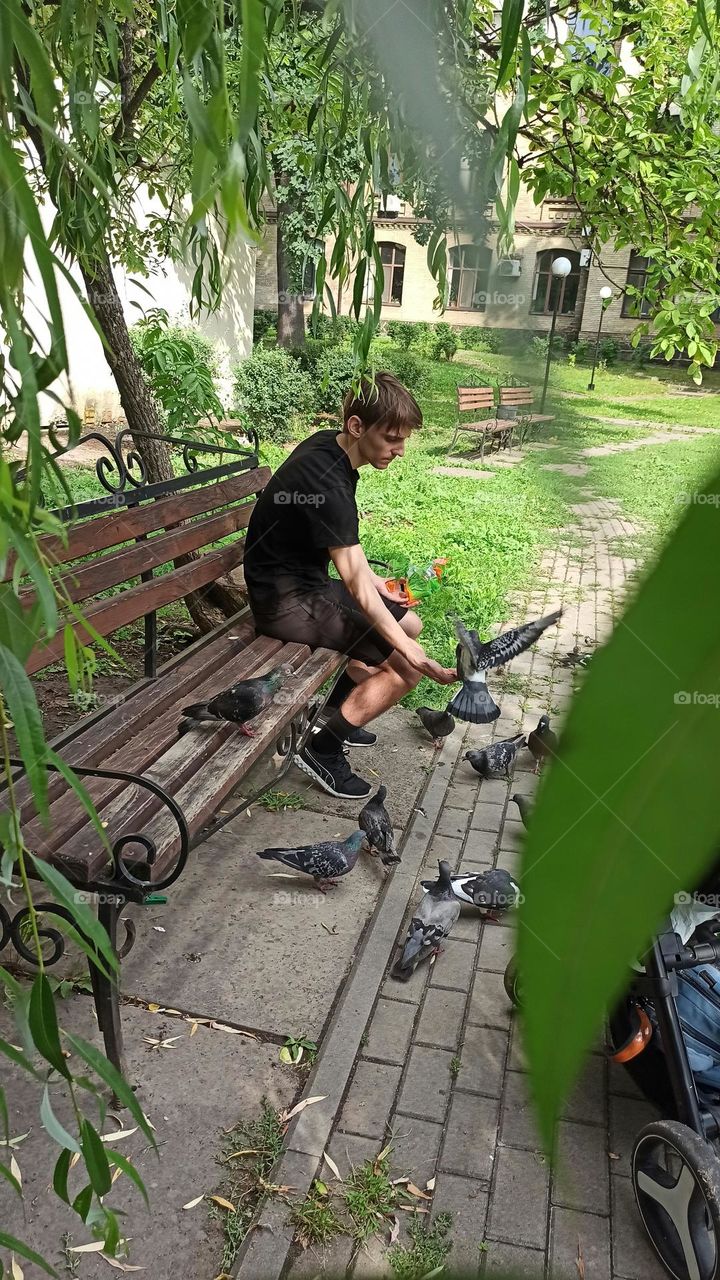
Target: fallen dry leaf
{"x": 300, "y": 1106}
{"x": 399, "y": 1182}
{"x": 167, "y": 1043}
{"x": 154, "y": 1008}
{"x": 430, "y": 1184}
{"x": 16, "y": 1270}
{"x": 94, "y": 1247}
{"x": 233, "y": 1031}
{"x": 118, "y": 1136}
{"x": 580, "y": 1262}
{"x": 383, "y": 1155}
{"x": 14, "y": 1142}
{"x": 192, "y": 1203}
{"x": 395, "y": 1229}
{"x": 415, "y": 1191}
{"x": 273, "y": 1187}
{"x": 332, "y": 1166}
{"x": 413, "y": 1208}
{"x": 327, "y": 927}
{"x": 246, "y": 1151}
{"x": 120, "y": 1266}
{"x": 74, "y": 1159}
{"x": 15, "y": 1169}
{"x": 613, "y": 1155}
{"x": 116, "y": 1174}
{"x": 158, "y": 928}
{"x": 433, "y": 958}
{"x": 224, "y": 1204}
{"x": 193, "y": 1027}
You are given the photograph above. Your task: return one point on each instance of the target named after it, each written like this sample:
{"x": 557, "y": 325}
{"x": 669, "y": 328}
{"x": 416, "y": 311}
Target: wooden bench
{"x": 522, "y": 399}
{"x": 474, "y": 399}
{"x": 157, "y": 793}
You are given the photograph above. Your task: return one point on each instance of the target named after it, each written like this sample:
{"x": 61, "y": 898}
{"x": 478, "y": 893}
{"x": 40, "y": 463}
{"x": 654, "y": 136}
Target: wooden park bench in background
{"x": 137, "y": 548}
{"x": 489, "y": 428}
{"x": 522, "y": 399}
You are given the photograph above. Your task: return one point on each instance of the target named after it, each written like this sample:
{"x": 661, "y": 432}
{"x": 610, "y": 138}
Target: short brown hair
{"x": 383, "y": 401}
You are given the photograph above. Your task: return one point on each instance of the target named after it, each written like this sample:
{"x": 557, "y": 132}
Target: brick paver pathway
{"x": 471, "y": 1125}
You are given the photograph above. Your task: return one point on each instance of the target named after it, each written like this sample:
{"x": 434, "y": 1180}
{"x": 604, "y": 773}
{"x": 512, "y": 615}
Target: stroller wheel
{"x": 511, "y": 981}
{"x": 676, "y": 1180}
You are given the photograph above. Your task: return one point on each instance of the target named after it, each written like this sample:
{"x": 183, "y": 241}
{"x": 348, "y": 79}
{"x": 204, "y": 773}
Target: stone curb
{"x": 268, "y": 1242}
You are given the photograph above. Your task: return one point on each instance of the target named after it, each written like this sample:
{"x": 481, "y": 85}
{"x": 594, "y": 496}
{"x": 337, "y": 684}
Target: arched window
{"x": 549, "y": 289}
{"x": 469, "y": 274}
{"x": 392, "y": 257}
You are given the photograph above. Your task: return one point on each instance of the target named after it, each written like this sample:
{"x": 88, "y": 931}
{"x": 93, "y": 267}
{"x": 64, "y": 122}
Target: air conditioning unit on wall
{"x": 509, "y": 267}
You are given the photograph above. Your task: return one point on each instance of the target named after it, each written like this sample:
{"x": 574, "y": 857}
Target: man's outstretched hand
{"x": 417, "y": 657}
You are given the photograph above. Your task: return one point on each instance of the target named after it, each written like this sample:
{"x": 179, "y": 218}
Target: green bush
{"x": 180, "y": 365}
{"x": 442, "y": 342}
{"x": 274, "y": 393}
{"x": 333, "y": 377}
{"x": 475, "y": 337}
{"x": 404, "y": 333}
{"x": 333, "y": 332}
{"x": 264, "y": 322}
{"x": 608, "y": 350}
{"x": 409, "y": 368}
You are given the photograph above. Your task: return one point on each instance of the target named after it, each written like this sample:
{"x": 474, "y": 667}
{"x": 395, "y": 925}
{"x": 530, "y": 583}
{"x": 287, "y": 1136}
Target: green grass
{"x": 370, "y": 1199}
{"x": 430, "y": 1247}
{"x": 242, "y": 1185}
{"x": 315, "y": 1219}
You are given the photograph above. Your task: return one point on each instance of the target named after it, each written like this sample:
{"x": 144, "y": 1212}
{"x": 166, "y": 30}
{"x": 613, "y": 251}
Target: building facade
{"x": 517, "y": 293}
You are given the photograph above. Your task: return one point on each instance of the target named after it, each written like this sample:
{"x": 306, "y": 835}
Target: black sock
{"x": 340, "y": 692}
{"x": 331, "y": 737}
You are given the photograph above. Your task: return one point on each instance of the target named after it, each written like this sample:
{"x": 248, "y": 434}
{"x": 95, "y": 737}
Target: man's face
{"x": 380, "y": 445}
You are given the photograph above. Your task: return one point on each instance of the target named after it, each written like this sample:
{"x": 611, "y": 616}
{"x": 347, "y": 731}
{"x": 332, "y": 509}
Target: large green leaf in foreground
{"x": 629, "y": 813}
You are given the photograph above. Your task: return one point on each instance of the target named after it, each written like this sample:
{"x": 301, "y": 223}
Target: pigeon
{"x": 493, "y": 891}
{"x": 325, "y": 861}
{"x": 438, "y": 724}
{"x": 494, "y": 760}
{"x": 542, "y": 742}
{"x": 434, "y": 917}
{"x": 375, "y": 822}
{"x": 524, "y": 806}
{"x": 474, "y": 658}
{"x": 241, "y": 702}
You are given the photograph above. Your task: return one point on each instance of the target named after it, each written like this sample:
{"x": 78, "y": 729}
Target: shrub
{"x": 439, "y": 342}
{"x": 475, "y": 337}
{"x": 333, "y": 376}
{"x": 333, "y": 332}
{"x": 180, "y": 365}
{"x": 402, "y": 332}
{"x": 263, "y": 323}
{"x": 408, "y": 368}
{"x": 274, "y": 392}
{"x": 608, "y": 350}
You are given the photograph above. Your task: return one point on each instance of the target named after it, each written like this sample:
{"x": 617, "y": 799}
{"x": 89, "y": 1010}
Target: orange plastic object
{"x": 636, "y": 1043}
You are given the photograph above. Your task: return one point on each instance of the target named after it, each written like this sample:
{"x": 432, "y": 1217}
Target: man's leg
{"x": 379, "y": 688}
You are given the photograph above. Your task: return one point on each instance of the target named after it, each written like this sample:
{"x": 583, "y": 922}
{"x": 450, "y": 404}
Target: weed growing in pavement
{"x": 257, "y": 1147}
{"x": 370, "y": 1199}
{"x": 315, "y": 1219}
{"x": 429, "y": 1250}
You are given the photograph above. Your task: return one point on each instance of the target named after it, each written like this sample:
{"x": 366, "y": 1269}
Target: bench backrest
{"x": 516, "y": 395}
{"x": 475, "y": 398}
{"x": 150, "y": 529}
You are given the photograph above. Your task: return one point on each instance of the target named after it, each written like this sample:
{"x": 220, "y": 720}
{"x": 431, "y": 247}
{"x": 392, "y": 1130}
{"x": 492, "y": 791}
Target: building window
{"x": 550, "y": 291}
{"x": 635, "y": 305}
{"x": 469, "y": 274}
{"x": 392, "y": 257}
{"x": 315, "y": 252}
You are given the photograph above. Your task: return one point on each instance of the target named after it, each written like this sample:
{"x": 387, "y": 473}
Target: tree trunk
{"x": 220, "y": 599}
{"x": 291, "y": 316}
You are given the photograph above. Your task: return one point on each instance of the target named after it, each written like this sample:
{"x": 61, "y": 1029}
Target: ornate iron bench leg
{"x": 107, "y": 992}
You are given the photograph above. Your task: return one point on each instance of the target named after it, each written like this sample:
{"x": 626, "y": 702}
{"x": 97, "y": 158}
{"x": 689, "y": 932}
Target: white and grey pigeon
{"x": 374, "y": 820}
{"x": 492, "y": 891}
{"x": 238, "y": 704}
{"x": 438, "y": 723}
{"x": 326, "y": 861}
{"x": 434, "y": 917}
{"x": 495, "y": 760}
{"x": 473, "y": 702}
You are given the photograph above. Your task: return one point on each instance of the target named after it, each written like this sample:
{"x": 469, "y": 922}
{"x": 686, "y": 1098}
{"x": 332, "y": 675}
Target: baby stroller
{"x": 675, "y": 1163}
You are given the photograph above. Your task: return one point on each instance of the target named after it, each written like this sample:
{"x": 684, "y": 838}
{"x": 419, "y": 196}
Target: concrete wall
{"x": 90, "y": 378}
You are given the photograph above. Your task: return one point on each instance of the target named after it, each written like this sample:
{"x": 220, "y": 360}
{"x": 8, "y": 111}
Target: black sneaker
{"x": 333, "y": 774}
{"x": 357, "y": 738}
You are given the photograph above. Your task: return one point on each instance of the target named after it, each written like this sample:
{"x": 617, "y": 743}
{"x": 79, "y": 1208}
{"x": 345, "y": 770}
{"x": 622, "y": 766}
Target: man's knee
{"x": 412, "y": 625}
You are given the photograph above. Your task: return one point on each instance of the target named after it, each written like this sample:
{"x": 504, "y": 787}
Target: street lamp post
{"x": 560, "y": 268}
{"x": 606, "y": 294}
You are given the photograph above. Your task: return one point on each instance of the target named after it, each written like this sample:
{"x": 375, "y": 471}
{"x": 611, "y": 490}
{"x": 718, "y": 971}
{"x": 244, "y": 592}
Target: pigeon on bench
{"x": 374, "y": 820}
{"x": 438, "y": 724}
{"x": 238, "y": 704}
{"x": 434, "y": 917}
{"x": 542, "y": 742}
{"x": 326, "y": 861}
{"x": 494, "y": 761}
{"x": 473, "y": 702}
{"x": 493, "y": 891}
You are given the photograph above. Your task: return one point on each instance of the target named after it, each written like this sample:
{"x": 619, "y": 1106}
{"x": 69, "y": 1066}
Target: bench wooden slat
{"x": 68, "y": 816}
{"x": 129, "y": 562}
{"x": 516, "y": 395}
{"x": 108, "y": 615}
{"x": 101, "y": 532}
{"x": 475, "y": 398}
{"x": 201, "y": 797}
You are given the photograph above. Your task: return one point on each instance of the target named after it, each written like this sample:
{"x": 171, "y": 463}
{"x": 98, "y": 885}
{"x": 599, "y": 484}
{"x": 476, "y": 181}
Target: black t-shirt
{"x": 308, "y": 506}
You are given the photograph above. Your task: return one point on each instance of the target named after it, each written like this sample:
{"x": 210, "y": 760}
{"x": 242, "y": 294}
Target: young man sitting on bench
{"x": 305, "y": 518}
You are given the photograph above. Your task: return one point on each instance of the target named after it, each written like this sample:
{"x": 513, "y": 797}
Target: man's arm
{"x": 359, "y": 579}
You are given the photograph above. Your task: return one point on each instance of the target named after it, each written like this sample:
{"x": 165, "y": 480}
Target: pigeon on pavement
{"x": 375, "y": 822}
{"x": 493, "y": 891}
{"x": 325, "y": 861}
{"x": 438, "y": 723}
{"x": 524, "y": 806}
{"x": 434, "y": 917}
{"x": 495, "y": 760}
{"x": 473, "y": 702}
{"x": 241, "y": 702}
{"x": 542, "y": 742}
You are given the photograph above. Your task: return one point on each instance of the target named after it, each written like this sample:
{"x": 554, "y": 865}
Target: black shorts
{"x": 331, "y": 619}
